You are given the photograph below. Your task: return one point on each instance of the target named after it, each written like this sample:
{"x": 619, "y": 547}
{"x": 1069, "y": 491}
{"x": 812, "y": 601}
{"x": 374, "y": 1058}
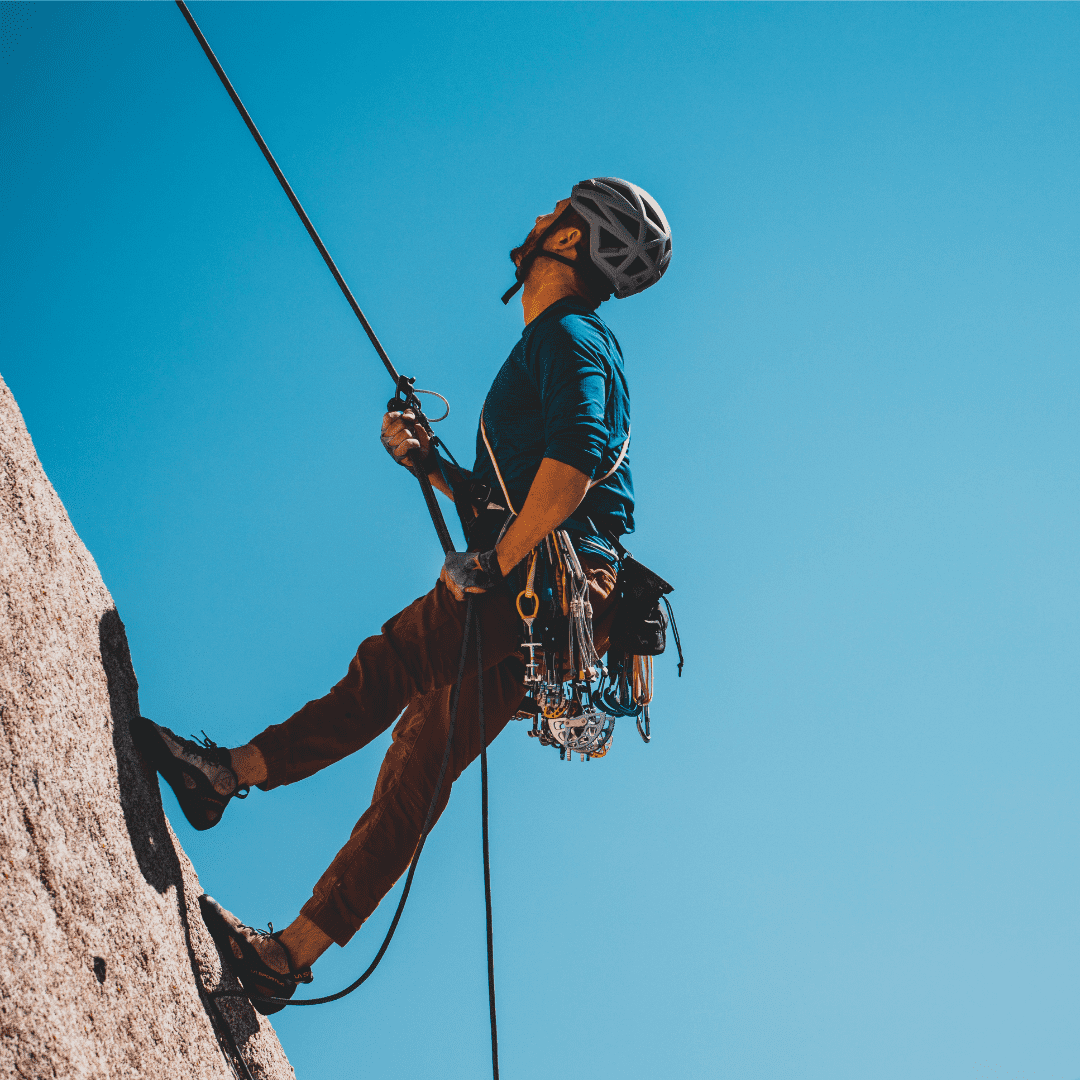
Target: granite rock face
{"x": 104, "y": 958}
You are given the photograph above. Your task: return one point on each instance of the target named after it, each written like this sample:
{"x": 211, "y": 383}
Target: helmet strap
{"x": 509, "y": 294}
{"x": 558, "y": 258}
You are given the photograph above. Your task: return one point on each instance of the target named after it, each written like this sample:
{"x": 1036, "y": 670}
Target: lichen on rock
{"x": 104, "y": 959}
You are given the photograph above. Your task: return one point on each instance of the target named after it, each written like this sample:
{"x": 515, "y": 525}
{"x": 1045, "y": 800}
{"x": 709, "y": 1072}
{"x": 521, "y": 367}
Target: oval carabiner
{"x": 536, "y": 605}
{"x": 529, "y": 593}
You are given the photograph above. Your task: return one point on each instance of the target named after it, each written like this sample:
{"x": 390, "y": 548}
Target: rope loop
{"x": 435, "y": 393}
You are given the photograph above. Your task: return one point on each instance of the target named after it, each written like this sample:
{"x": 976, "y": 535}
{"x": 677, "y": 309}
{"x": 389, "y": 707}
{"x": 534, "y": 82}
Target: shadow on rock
{"x": 148, "y": 830}
{"x": 139, "y": 795}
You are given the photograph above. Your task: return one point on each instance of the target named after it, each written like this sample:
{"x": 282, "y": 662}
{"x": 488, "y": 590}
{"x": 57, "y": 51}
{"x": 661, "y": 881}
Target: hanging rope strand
{"x": 487, "y": 857}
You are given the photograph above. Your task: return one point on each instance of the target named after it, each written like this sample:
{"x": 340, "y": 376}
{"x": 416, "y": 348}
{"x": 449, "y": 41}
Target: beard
{"x": 518, "y": 254}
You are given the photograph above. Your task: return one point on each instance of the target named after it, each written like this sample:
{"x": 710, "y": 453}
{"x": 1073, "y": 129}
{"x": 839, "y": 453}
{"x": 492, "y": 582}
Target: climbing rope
{"x": 231, "y": 1051}
{"x": 487, "y": 860}
{"x": 404, "y": 386}
{"x": 405, "y": 397}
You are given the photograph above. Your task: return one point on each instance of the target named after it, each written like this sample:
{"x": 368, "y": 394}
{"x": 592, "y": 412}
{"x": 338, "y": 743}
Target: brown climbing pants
{"x": 412, "y": 665}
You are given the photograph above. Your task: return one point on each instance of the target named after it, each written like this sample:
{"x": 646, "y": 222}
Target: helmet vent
{"x": 609, "y": 242}
{"x": 631, "y": 225}
{"x": 650, "y": 213}
{"x": 635, "y": 267}
{"x": 592, "y": 206}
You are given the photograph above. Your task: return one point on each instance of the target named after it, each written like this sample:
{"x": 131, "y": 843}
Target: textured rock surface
{"x": 102, "y": 948}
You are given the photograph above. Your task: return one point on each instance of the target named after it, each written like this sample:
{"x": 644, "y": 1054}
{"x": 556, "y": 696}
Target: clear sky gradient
{"x": 851, "y": 850}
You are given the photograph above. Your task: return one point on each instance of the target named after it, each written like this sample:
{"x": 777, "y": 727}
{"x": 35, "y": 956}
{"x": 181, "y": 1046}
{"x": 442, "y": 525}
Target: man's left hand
{"x": 471, "y": 572}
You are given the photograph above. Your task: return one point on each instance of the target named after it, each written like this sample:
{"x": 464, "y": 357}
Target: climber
{"x": 552, "y": 448}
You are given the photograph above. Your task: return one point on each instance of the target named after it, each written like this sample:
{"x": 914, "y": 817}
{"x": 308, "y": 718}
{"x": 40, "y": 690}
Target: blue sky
{"x": 850, "y": 850}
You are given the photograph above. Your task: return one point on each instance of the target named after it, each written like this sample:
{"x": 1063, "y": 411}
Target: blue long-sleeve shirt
{"x": 562, "y": 394}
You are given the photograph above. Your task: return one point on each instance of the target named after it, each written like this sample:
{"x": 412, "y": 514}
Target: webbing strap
{"x": 618, "y": 461}
{"x": 495, "y": 465}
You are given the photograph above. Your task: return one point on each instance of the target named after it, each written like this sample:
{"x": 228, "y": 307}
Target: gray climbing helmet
{"x": 629, "y": 237}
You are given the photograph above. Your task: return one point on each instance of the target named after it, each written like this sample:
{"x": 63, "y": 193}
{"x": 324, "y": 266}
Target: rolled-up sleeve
{"x": 574, "y": 392}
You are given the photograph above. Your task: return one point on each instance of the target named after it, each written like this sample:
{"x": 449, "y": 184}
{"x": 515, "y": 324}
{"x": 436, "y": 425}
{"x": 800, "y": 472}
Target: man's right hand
{"x": 405, "y": 440}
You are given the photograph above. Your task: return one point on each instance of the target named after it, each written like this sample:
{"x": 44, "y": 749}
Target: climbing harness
{"x": 405, "y": 397}
{"x": 572, "y": 698}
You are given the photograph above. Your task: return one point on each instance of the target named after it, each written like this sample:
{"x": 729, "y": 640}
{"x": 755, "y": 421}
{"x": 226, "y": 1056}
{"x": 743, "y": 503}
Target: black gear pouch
{"x": 640, "y": 625}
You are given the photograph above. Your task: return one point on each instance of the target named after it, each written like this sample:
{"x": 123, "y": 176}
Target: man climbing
{"x": 550, "y": 454}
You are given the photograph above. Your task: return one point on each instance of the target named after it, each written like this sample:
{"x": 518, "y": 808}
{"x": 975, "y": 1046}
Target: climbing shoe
{"x": 200, "y": 773}
{"x": 250, "y": 953}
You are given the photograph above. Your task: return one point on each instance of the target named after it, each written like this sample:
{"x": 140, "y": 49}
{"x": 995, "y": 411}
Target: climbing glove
{"x": 471, "y": 572}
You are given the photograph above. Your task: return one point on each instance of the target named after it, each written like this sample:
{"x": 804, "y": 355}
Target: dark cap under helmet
{"x": 629, "y": 236}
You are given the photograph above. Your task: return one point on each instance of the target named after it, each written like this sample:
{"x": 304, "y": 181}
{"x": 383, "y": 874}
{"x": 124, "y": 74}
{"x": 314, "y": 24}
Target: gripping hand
{"x": 405, "y": 440}
{"x": 471, "y": 572}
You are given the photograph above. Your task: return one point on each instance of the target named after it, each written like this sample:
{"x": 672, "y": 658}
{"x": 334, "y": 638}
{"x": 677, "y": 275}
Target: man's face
{"x": 542, "y": 223}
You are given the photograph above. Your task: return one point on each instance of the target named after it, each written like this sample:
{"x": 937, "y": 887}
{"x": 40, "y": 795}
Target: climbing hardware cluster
{"x": 573, "y": 698}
